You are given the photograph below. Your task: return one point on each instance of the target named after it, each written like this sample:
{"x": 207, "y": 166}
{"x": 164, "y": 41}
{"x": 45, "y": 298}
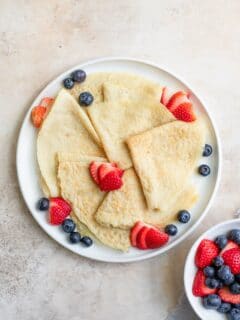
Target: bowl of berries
{"x": 212, "y": 273}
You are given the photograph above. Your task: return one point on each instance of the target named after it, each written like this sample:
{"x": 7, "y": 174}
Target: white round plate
{"x": 190, "y": 269}
{"x": 27, "y": 164}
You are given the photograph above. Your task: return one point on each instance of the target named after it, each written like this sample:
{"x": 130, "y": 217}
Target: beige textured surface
{"x": 126, "y": 206}
{"x": 79, "y": 189}
{"x": 115, "y": 120}
{"x": 165, "y": 158}
{"x": 66, "y": 128}
{"x": 39, "y": 279}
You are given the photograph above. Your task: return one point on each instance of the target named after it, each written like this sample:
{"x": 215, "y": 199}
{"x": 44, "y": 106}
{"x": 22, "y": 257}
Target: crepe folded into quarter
{"x": 116, "y": 119}
{"x": 66, "y": 128}
{"x": 124, "y": 207}
{"x": 164, "y": 158}
{"x": 78, "y": 188}
{"x": 132, "y": 86}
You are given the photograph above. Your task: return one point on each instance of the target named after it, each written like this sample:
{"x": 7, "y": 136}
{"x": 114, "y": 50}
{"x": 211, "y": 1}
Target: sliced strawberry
{"x": 227, "y": 296}
{"x": 93, "y": 168}
{"x": 166, "y": 95}
{"x": 199, "y": 288}
{"x": 156, "y": 238}
{"x": 232, "y": 259}
{"x": 105, "y": 168}
{"x": 46, "y": 102}
{"x": 58, "y": 211}
{"x": 134, "y": 232}
{"x": 37, "y": 115}
{"x": 177, "y": 99}
{"x": 230, "y": 245}
{"x": 185, "y": 112}
{"x": 206, "y": 252}
{"x": 141, "y": 238}
{"x": 111, "y": 181}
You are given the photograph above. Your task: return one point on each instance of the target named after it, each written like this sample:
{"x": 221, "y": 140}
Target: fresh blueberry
{"x": 224, "y": 307}
{"x": 78, "y": 75}
{"x": 229, "y": 280}
{"x": 207, "y": 150}
{"x": 184, "y": 216}
{"x": 87, "y": 241}
{"x": 235, "y": 288}
{"x": 218, "y": 262}
{"x": 224, "y": 273}
{"x": 43, "y": 204}
{"x": 85, "y": 99}
{"x": 68, "y": 225}
{"x": 171, "y": 229}
{"x": 209, "y": 272}
{"x": 234, "y": 235}
{"x": 234, "y": 314}
{"x": 237, "y": 277}
{"x": 212, "y": 301}
{"x": 212, "y": 283}
{"x": 221, "y": 241}
{"x": 204, "y": 170}
{"x": 68, "y": 83}
{"x": 75, "y": 237}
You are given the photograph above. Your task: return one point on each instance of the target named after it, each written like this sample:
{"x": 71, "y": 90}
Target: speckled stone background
{"x": 39, "y": 280}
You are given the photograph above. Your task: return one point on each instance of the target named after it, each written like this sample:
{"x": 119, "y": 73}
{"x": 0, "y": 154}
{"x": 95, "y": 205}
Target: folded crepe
{"x": 66, "y": 128}
{"x": 165, "y": 158}
{"x": 124, "y": 207}
{"x": 132, "y": 85}
{"x": 116, "y": 119}
{"x": 78, "y": 188}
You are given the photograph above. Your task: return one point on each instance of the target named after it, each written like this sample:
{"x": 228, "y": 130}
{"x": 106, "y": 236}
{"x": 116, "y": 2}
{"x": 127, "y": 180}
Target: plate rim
{"x": 183, "y": 237}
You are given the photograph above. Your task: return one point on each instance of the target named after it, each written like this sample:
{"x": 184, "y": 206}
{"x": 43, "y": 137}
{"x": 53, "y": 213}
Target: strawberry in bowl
{"x": 212, "y": 273}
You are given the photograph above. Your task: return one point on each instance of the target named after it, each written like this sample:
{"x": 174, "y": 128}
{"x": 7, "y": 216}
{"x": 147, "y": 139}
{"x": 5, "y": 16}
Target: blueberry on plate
{"x": 229, "y": 280}
{"x": 224, "y": 273}
{"x": 204, "y": 170}
{"x": 183, "y": 216}
{"x": 224, "y": 307}
{"x": 85, "y": 99}
{"x": 87, "y": 241}
{"x": 171, "y": 229}
{"x": 212, "y": 283}
{"x": 235, "y": 288}
{"x": 234, "y": 235}
{"x": 218, "y": 262}
{"x": 207, "y": 150}
{"x": 209, "y": 272}
{"x": 68, "y": 83}
{"x": 75, "y": 237}
{"x": 212, "y": 301}
{"x": 234, "y": 314}
{"x": 221, "y": 241}
{"x": 78, "y": 75}
{"x": 68, "y": 225}
{"x": 43, "y": 204}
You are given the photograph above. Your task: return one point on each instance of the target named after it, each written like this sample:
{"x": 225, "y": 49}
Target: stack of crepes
{"x": 128, "y": 125}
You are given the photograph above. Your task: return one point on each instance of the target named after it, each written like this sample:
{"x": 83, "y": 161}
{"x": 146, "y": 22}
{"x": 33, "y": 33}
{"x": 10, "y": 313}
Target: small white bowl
{"x": 190, "y": 270}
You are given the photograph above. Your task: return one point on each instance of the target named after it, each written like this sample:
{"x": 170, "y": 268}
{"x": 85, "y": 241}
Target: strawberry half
{"x": 141, "y": 238}
{"x": 177, "y": 99}
{"x": 111, "y": 181}
{"x": 185, "y": 112}
{"x": 206, "y": 252}
{"x": 166, "y": 95}
{"x": 232, "y": 259}
{"x": 37, "y": 115}
{"x": 134, "y": 232}
{"x": 93, "y": 168}
{"x": 105, "y": 168}
{"x": 230, "y": 245}
{"x": 227, "y": 296}
{"x": 156, "y": 238}
{"x": 58, "y": 211}
{"x": 199, "y": 288}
